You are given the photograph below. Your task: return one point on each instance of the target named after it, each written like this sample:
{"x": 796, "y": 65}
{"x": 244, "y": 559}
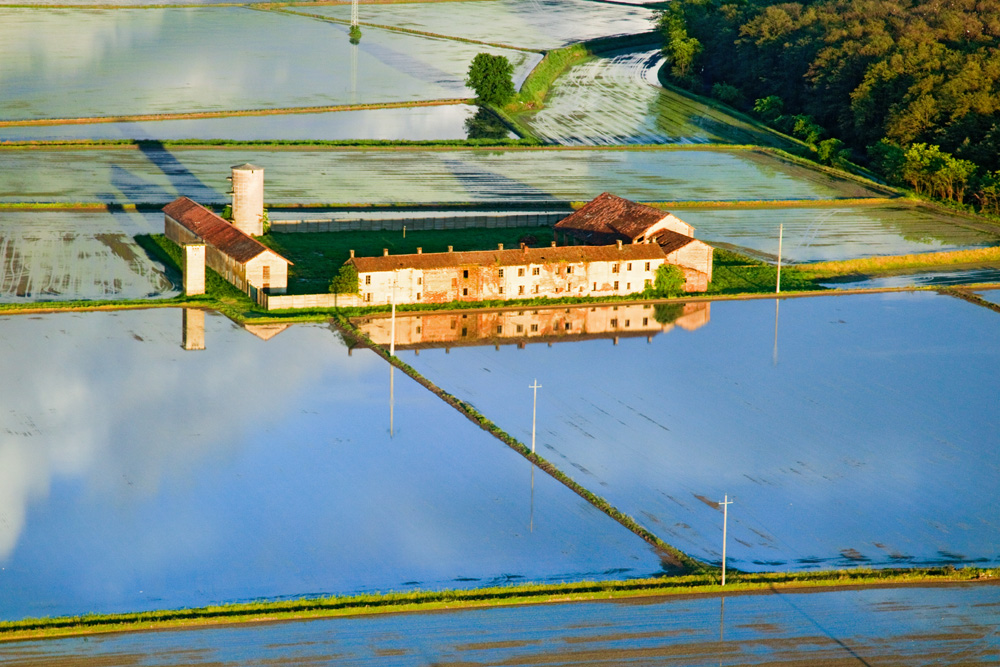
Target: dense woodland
{"x": 911, "y": 86}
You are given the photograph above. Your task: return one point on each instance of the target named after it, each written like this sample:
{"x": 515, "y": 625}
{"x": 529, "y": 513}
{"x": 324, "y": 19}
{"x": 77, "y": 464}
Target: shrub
{"x": 354, "y": 34}
{"x": 346, "y": 280}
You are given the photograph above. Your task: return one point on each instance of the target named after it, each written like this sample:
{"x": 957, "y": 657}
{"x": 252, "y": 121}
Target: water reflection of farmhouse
{"x": 541, "y": 325}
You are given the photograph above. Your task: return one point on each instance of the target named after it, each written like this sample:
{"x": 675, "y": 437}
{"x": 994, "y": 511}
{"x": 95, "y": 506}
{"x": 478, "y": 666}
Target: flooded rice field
{"x": 923, "y": 278}
{"x": 835, "y": 233}
{"x": 992, "y": 295}
{"x": 535, "y": 24}
{"x": 617, "y": 99}
{"x": 886, "y": 627}
{"x": 849, "y": 431}
{"x": 416, "y": 123}
{"x": 87, "y": 62}
{"x": 60, "y": 256}
{"x": 152, "y": 175}
{"x": 260, "y": 463}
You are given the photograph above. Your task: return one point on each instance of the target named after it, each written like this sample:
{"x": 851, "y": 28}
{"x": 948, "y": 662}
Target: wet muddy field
{"x": 898, "y": 627}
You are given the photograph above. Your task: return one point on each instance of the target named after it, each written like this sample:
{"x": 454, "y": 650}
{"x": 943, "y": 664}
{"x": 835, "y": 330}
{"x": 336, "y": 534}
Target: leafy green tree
{"x": 346, "y": 280}
{"x": 769, "y": 108}
{"x": 831, "y": 152}
{"x": 354, "y": 34}
{"x": 680, "y": 49}
{"x": 492, "y": 79}
{"x": 727, "y": 94}
{"x": 668, "y": 281}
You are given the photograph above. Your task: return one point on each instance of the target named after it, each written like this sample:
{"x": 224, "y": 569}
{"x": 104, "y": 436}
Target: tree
{"x": 492, "y": 79}
{"x": 346, "y": 280}
{"x": 668, "y": 281}
{"x": 680, "y": 49}
{"x": 354, "y": 34}
{"x": 831, "y": 151}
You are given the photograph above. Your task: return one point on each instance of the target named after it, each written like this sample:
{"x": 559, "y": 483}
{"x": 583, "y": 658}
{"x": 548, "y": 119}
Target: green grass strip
{"x": 418, "y": 601}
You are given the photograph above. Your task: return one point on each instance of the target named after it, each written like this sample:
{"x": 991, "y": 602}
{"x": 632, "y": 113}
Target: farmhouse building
{"x": 611, "y": 219}
{"x": 522, "y": 273}
{"x": 240, "y": 259}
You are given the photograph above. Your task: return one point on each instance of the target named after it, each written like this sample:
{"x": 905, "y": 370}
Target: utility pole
{"x": 777, "y": 288}
{"x": 392, "y": 325}
{"x": 725, "y": 519}
{"x": 534, "y": 410}
{"x": 354, "y": 13}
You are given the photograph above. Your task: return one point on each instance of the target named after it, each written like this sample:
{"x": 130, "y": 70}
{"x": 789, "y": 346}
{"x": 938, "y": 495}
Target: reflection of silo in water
{"x": 194, "y": 329}
{"x": 248, "y": 198}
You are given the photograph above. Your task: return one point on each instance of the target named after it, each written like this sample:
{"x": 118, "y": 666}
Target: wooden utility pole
{"x": 725, "y": 519}
{"x": 534, "y": 410}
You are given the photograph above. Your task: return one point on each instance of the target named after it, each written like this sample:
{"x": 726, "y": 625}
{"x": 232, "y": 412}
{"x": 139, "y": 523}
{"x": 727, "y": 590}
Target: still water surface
{"x": 849, "y": 430}
{"x": 351, "y": 176}
{"x": 135, "y": 474}
{"x": 423, "y": 123}
{"x": 902, "y": 626}
{"x": 70, "y": 63}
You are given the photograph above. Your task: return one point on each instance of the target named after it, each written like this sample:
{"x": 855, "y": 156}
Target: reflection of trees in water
{"x": 485, "y": 125}
{"x": 665, "y": 313}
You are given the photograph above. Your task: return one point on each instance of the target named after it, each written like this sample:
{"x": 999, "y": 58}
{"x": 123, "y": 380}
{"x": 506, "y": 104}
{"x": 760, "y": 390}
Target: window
{"x": 536, "y": 289}
{"x": 614, "y": 268}
{"x": 368, "y": 296}
{"x": 368, "y": 280}
{"x": 567, "y": 326}
{"x": 647, "y": 266}
{"x": 465, "y": 291}
{"x": 420, "y": 281}
{"x": 645, "y": 321}
{"x": 267, "y": 272}
{"x": 628, "y": 287}
{"x": 595, "y": 287}
{"x": 626, "y": 324}
{"x": 616, "y": 285}
{"x": 454, "y": 322}
{"x": 520, "y": 328}
{"x": 499, "y": 328}
{"x": 569, "y": 269}
{"x": 465, "y": 273}
{"x": 628, "y": 267}
{"x": 501, "y": 290}
{"x": 535, "y": 271}
{"x": 418, "y": 296}
{"x": 520, "y": 289}
{"x": 534, "y": 327}
{"x": 465, "y": 331}
{"x": 614, "y": 321}
{"x": 501, "y": 273}
{"x": 520, "y": 272}
{"x": 419, "y": 329}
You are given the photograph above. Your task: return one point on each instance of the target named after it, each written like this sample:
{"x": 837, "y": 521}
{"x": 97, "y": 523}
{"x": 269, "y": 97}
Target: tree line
{"x": 912, "y": 87}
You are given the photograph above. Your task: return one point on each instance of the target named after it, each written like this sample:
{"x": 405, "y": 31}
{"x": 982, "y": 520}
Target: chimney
{"x": 619, "y": 244}
{"x": 385, "y": 251}
{"x": 553, "y": 244}
{"x": 420, "y": 251}
{"x": 524, "y": 248}
{"x": 352, "y": 252}
{"x": 499, "y": 246}
{"x": 451, "y": 248}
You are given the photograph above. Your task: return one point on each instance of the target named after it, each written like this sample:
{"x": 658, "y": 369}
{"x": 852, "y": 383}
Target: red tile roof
{"x": 609, "y": 214}
{"x": 516, "y": 257}
{"x": 215, "y": 231}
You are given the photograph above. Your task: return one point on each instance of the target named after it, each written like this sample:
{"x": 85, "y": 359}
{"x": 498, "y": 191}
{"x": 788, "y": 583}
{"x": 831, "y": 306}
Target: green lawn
{"x": 317, "y": 257}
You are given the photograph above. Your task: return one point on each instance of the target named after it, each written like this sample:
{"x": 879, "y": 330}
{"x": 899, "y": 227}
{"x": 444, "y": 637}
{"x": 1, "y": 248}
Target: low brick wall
{"x": 282, "y": 301}
{"x": 476, "y": 220}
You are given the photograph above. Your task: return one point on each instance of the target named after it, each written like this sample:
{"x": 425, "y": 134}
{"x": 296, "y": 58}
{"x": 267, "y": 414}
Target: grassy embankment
{"x": 701, "y": 584}
{"x": 895, "y": 264}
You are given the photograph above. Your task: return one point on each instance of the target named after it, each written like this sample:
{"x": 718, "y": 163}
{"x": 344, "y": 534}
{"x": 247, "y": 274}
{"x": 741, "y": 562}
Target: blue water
{"x": 135, "y": 474}
{"x": 849, "y": 430}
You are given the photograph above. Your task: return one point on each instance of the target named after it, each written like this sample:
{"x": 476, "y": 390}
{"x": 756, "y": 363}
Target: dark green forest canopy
{"x": 903, "y": 70}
